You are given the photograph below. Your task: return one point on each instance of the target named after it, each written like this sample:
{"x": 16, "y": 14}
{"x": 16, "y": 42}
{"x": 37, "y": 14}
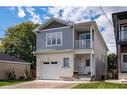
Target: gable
{"x": 54, "y": 24}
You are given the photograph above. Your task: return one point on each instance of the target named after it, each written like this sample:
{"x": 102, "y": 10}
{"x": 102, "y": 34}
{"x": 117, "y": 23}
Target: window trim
{"x": 68, "y": 64}
{"x": 122, "y": 57}
{"x": 56, "y": 33}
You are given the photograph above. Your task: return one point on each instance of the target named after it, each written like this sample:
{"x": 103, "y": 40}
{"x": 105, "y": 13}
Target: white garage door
{"x": 49, "y": 70}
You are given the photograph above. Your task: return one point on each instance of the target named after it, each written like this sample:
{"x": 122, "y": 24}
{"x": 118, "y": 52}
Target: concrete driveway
{"x": 43, "y": 84}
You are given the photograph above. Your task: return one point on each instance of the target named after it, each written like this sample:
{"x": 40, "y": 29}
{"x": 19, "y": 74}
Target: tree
{"x": 20, "y": 41}
{"x": 112, "y": 61}
{"x": 112, "y": 64}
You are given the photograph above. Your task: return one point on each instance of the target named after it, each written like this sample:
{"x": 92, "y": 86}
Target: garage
{"x": 49, "y": 70}
{"x": 9, "y": 64}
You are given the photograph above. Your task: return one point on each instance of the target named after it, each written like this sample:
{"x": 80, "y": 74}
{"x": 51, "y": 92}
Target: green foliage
{"x": 112, "y": 61}
{"x": 100, "y": 85}
{"x": 11, "y": 74}
{"x": 112, "y": 66}
{"x": 20, "y": 41}
{"x": 10, "y": 82}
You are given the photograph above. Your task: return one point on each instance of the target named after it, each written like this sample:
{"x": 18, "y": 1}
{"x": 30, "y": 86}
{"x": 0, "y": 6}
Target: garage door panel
{"x": 49, "y": 71}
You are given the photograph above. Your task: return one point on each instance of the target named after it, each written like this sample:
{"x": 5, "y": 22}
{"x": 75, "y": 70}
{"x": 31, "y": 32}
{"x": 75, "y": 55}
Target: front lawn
{"x": 10, "y": 82}
{"x": 100, "y": 85}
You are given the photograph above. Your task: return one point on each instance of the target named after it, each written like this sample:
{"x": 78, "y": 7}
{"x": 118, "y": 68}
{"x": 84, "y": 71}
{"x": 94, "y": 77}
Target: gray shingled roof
{"x": 6, "y": 57}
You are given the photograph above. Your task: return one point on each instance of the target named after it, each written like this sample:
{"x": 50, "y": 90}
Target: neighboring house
{"x": 67, "y": 50}
{"x": 10, "y": 63}
{"x": 120, "y": 31}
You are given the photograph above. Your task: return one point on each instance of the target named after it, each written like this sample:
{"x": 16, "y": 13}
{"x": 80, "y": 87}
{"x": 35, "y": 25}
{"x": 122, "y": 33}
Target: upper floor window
{"x": 53, "y": 39}
{"x": 123, "y": 32}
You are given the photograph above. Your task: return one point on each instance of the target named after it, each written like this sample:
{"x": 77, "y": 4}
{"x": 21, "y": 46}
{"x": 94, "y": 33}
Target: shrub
{"x": 11, "y": 74}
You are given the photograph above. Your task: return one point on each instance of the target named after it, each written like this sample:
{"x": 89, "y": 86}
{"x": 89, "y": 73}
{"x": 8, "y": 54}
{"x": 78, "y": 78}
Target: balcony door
{"x": 84, "y": 40}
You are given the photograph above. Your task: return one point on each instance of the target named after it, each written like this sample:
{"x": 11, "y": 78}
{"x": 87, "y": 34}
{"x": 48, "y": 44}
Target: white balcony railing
{"x": 82, "y": 44}
{"x": 123, "y": 35}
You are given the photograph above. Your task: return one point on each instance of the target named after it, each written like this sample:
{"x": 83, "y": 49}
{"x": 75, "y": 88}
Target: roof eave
{"x": 15, "y": 62}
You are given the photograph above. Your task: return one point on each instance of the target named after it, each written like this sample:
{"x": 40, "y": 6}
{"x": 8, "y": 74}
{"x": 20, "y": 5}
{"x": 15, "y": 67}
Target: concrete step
{"x": 83, "y": 78}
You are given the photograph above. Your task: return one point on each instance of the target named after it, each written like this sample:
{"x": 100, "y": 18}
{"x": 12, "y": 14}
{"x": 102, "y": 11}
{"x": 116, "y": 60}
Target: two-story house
{"x": 120, "y": 31}
{"x": 67, "y": 51}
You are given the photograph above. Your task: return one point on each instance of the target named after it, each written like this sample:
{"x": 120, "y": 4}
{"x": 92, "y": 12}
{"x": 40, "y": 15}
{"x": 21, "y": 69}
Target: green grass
{"x": 100, "y": 85}
{"x": 10, "y": 82}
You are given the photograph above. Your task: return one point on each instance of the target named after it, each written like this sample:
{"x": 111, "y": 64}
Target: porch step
{"x": 83, "y": 78}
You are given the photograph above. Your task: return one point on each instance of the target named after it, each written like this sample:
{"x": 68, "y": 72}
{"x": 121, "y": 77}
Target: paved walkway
{"x": 44, "y": 84}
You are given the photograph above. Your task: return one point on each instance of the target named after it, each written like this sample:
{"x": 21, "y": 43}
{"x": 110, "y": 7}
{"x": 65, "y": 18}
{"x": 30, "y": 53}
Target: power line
{"x": 106, "y": 16}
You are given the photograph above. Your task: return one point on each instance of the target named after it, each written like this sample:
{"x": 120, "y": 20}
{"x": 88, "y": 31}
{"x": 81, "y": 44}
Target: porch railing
{"x": 82, "y": 44}
{"x": 123, "y": 35}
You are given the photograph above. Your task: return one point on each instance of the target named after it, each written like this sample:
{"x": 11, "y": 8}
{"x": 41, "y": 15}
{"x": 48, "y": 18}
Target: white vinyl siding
{"x": 54, "y": 39}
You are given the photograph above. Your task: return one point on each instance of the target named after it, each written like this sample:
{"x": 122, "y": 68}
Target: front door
{"x": 83, "y": 66}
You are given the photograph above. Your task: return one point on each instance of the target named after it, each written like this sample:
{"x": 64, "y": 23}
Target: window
{"x": 53, "y": 39}
{"x": 49, "y": 39}
{"x": 88, "y": 36}
{"x": 125, "y": 58}
{"x": 66, "y": 62}
{"x": 84, "y": 36}
{"x": 45, "y": 62}
{"x": 53, "y": 62}
{"x": 59, "y": 38}
{"x": 87, "y": 62}
{"x": 123, "y": 32}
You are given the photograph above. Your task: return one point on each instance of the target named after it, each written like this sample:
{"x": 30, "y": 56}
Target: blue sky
{"x": 10, "y": 16}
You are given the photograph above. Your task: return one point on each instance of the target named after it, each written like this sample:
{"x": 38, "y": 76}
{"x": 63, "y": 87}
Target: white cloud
{"x": 21, "y": 12}
{"x": 74, "y": 14}
{"x": 35, "y": 17}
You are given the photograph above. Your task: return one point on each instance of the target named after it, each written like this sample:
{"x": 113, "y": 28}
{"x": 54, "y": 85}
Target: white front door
{"x": 83, "y": 66}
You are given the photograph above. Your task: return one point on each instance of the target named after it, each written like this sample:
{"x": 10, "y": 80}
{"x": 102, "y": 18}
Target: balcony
{"x": 82, "y": 44}
{"x": 123, "y": 36}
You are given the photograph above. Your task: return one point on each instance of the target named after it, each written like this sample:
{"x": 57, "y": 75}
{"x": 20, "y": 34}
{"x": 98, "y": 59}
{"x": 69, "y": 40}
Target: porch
{"x": 84, "y": 66}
